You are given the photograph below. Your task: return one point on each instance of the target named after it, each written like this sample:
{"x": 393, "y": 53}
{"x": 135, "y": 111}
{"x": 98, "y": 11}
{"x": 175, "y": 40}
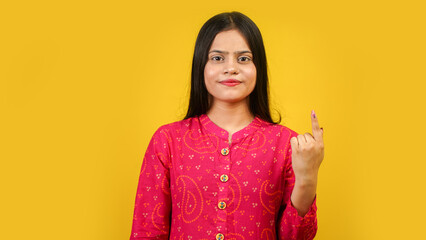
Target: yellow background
{"x": 84, "y": 84}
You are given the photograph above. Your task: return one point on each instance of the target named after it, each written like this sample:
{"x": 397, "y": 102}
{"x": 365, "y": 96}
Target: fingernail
{"x": 313, "y": 114}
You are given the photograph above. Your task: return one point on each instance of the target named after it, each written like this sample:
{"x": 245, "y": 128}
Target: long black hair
{"x": 259, "y": 97}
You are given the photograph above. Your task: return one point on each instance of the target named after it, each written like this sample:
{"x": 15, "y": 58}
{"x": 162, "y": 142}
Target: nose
{"x": 231, "y": 67}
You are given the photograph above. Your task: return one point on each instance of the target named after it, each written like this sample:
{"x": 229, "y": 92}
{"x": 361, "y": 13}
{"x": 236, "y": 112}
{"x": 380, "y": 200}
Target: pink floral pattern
{"x": 194, "y": 184}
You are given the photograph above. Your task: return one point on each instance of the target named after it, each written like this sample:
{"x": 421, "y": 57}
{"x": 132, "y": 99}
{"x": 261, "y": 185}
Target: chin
{"x": 234, "y": 99}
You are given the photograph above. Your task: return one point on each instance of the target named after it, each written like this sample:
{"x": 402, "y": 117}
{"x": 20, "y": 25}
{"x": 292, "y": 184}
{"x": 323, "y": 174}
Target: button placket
{"x": 222, "y": 165}
{"x": 222, "y": 197}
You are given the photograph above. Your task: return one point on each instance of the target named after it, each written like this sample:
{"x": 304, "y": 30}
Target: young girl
{"x": 227, "y": 171}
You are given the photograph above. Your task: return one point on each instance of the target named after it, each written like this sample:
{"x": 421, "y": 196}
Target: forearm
{"x": 303, "y": 194}
{"x": 299, "y": 219}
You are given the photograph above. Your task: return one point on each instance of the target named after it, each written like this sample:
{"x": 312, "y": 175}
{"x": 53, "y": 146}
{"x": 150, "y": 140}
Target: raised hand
{"x": 307, "y": 155}
{"x": 308, "y": 152}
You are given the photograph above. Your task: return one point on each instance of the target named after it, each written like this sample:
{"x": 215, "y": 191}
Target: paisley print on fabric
{"x": 194, "y": 184}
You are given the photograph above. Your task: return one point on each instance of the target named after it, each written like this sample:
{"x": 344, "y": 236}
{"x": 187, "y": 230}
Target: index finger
{"x": 316, "y": 131}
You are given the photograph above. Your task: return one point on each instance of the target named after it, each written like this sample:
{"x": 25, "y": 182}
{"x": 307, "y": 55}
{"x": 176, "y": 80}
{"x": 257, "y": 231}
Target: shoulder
{"x": 278, "y": 137}
{"x": 178, "y": 127}
{"x": 277, "y": 130}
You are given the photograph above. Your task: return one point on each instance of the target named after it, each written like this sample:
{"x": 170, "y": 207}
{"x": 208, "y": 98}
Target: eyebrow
{"x": 239, "y": 52}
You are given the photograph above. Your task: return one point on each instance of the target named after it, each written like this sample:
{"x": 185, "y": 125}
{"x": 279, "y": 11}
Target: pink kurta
{"x": 194, "y": 184}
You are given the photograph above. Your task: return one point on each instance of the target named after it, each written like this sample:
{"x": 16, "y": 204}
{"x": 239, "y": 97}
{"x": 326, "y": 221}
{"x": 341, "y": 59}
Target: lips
{"x": 230, "y": 82}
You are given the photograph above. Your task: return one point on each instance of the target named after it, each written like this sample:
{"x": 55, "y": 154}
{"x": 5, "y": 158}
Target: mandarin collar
{"x": 210, "y": 126}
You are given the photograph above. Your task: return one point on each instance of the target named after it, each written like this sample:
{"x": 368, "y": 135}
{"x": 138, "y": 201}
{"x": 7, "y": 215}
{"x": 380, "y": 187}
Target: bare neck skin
{"x": 230, "y": 116}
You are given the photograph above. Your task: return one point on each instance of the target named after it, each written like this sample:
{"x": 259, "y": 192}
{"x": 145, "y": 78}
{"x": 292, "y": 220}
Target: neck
{"x": 230, "y": 116}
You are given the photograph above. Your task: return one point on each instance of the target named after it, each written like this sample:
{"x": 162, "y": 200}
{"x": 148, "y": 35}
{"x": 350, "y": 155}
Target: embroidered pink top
{"x": 195, "y": 184}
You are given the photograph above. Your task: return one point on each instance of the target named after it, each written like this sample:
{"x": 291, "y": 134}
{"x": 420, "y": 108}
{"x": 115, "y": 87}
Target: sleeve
{"x": 151, "y": 217}
{"x": 291, "y": 225}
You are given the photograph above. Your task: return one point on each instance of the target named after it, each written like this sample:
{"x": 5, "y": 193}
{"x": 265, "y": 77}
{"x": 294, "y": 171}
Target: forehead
{"x": 229, "y": 40}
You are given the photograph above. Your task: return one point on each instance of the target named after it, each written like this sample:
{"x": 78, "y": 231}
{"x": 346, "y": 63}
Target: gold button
{"x": 220, "y": 236}
{"x": 225, "y": 151}
{"x": 224, "y": 178}
{"x": 222, "y": 205}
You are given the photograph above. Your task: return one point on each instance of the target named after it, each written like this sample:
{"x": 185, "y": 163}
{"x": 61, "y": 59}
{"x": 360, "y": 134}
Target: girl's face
{"x": 230, "y": 74}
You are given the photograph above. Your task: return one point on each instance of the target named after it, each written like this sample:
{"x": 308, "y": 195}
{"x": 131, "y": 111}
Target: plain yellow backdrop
{"x": 84, "y": 85}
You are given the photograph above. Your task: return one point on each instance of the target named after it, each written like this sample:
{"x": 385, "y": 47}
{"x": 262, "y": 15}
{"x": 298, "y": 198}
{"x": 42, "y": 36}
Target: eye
{"x": 244, "y": 59}
{"x": 216, "y": 58}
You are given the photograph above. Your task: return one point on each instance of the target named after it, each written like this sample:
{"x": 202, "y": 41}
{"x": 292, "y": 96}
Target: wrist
{"x": 306, "y": 181}
{"x": 302, "y": 197}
